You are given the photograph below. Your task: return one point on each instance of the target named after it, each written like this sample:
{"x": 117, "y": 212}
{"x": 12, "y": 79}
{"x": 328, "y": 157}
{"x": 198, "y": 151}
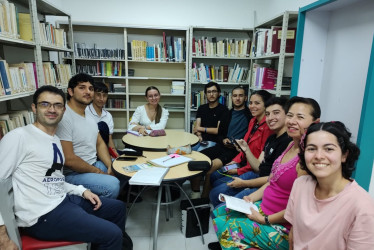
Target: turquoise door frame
{"x": 365, "y": 137}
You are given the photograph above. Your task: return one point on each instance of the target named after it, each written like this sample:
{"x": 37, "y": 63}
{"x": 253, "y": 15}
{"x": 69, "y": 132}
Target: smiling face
{"x": 323, "y": 155}
{"x": 82, "y": 93}
{"x": 49, "y": 109}
{"x": 257, "y": 106}
{"x": 275, "y": 117}
{"x": 298, "y": 119}
{"x": 153, "y": 96}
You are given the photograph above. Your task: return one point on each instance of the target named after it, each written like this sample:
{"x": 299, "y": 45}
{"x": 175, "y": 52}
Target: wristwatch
{"x": 267, "y": 222}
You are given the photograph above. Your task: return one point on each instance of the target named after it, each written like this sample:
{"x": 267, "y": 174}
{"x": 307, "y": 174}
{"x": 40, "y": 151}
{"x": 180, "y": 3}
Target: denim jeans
{"x": 198, "y": 147}
{"x": 75, "y": 220}
{"x": 220, "y": 185}
{"x": 101, "y": 184}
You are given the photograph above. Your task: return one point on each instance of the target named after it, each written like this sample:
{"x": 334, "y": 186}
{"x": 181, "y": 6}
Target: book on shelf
{"x": 263, "y": 77}
{"x": 15, "y": 119}
{"x": 174, "y": 106}
{"x": 82, "y": 51}
{"x": 25, "y": 29}
{"x": 276, "y": 39}
{"x": 177, "y": 87}
{"x": 223, "y": 73}
{"x": 103, "y": 68}
{"x": 49, "y": 35}
{"x": 28, "y": 75}
{"x": 5, "y": 77}
{"x": 170, "y": 160}
{"x": 9, "y": 19}
{"x": 210, "y": 47}
{"x": 116, "y": 103}
{"x": 237, "y": 204}
{"x": 150, "y": 176}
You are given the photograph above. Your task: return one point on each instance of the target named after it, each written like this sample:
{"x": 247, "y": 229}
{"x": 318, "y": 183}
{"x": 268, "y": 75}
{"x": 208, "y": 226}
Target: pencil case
{"x": 198, "y": 165}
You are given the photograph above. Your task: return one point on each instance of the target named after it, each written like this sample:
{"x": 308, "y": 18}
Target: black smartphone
{"x": 126, "y": 158}
{"x": 237, "y": 144}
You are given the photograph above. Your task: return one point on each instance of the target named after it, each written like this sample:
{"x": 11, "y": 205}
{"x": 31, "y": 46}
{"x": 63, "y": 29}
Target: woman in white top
{"x": 151, "y": 115}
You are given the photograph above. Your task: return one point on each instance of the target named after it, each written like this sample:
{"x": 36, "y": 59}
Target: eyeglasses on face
{"x": 153, "y": 96}
{"x": 212, "y": 92}
{"x": 47, "y": 105}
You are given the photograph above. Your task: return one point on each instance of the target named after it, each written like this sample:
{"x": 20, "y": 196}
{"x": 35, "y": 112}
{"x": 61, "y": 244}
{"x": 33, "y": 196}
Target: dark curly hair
{"x": 343, "y": 136}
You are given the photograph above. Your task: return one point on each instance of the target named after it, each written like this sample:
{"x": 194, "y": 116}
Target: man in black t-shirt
{"x": 211, "y": 123}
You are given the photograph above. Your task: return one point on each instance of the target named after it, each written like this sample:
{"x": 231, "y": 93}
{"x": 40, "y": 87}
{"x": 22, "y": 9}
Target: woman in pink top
{"x": 328, "y": 209}
{"x": 267, "y": 229}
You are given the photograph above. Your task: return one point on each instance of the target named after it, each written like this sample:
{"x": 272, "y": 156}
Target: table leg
{"x": 137, "y": 196}
{"x": 170, "y": 215}
{"x": 193, "y": 207}
{"x": 157, "y": 217}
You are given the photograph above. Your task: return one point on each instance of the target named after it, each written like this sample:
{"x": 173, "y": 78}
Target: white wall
{"x": 218, "y": 13}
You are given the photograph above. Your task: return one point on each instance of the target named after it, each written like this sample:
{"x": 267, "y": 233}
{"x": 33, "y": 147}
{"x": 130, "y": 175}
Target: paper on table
{"x": 150, "y": 176}
{"x": 137, "y": 167}
{"x": 170, "y": 160}
{"x": 137, "y": 133}
{"x": 237, "y": 204}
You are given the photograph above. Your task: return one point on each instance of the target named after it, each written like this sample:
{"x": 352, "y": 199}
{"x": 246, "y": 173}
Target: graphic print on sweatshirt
{"x": 54, "y": 179}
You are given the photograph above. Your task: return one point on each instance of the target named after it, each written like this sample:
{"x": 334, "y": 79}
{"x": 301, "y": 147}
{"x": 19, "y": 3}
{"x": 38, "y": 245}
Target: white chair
{"x": 23, "y": 241}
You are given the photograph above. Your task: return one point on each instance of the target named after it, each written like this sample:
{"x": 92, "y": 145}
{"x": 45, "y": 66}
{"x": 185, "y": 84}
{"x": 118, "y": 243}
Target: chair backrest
{"x": 7, "y": 212}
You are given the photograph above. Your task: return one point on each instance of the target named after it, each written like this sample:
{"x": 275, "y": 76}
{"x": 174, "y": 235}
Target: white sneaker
{"x": 195, "y": 195}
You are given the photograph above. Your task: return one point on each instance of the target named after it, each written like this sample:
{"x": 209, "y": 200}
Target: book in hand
{"x": 137, "y": 167}
{"x": 237, "y": 204}
{"x": 150, "y": 176}
{"x": 170, "y": 160}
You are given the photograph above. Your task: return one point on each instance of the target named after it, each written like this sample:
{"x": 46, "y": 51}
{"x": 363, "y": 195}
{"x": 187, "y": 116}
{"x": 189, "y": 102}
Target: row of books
{"x": 14, "y": 120}
{"x": 206, "y": 73}
{"x": 171, "y": 49}
{"x": 8, "y": 19}
{"x": 103, "y": 68}
{"x": 57, "y": 74}
{"x": 177, "y": 87}
{"x": 50, "y": 35}
{"x": 268, "y": 41}
{"x": 82, "y": 51}
{"x": 116, "y": 103}
{"x": 210, "y": 47}
{"x": 198, "y": 98}
{"x": 263, "y": 77}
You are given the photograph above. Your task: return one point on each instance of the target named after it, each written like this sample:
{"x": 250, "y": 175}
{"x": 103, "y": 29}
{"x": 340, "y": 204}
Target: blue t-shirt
{"x": 238, "y": 125}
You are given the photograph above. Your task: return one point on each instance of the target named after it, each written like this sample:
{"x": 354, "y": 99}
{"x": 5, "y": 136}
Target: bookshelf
{"x": 272, "y": 51}
{"x": 136, "y": 56}
{"x": 221, "y": 55}
{"x": 26, "y": 54}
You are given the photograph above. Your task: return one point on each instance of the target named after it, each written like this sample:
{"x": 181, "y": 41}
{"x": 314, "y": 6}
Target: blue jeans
{"x": 220, "y": 185}
{"x": 198, "y": 147}
{"x": 101, "y": 184}
{"x": 75, "y": 220}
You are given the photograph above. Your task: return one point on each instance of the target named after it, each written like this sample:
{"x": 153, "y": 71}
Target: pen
{"x": 169, "y": 158}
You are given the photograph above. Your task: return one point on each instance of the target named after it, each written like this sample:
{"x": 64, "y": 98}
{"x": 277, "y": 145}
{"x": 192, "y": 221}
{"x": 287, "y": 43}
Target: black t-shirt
{"x": 273, "y": 148}
{"x": 210, "y": 118}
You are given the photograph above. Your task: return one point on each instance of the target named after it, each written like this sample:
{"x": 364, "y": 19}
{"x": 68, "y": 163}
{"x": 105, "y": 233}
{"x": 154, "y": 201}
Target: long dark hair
{"x": 158, "y": 109}
{"x": 343, "y": 136}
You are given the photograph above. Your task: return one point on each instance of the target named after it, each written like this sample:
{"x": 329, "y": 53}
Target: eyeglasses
{"x": 213, "y": 92}
{"x": 153, "y": 96}
{"x": 47, "y": 105}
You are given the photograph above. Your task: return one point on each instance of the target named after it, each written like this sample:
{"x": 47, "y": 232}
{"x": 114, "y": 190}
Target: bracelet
{"x": 267, "y": 222}
{"x": 205, "y": 130}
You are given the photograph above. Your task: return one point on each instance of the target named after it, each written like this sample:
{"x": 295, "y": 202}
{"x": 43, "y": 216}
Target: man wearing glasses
{"x": 82, "y": 143}
{"x": 45, "y": 205}
{"x": 211, "y": 124}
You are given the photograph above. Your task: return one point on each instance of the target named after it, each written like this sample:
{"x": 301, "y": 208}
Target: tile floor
{"x": 140, "y": 226}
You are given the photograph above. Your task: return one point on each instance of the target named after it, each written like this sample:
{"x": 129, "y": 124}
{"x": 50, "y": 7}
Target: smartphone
{"x": 237, "y": 144}
{"x": 126, "y": 158}
{"x": 228, "y": 167}
{"x": 204, "y": 143}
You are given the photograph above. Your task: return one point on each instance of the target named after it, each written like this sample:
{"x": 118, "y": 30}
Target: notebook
{"x": 170, "y": 160}
{"x": 149, "y": 176}
{"x": 237, "y": 204}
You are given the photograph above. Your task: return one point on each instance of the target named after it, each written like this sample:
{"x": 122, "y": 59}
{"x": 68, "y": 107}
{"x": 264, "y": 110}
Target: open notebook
{"x": 149, "y": 176}
{"x": 170, "y": 160}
